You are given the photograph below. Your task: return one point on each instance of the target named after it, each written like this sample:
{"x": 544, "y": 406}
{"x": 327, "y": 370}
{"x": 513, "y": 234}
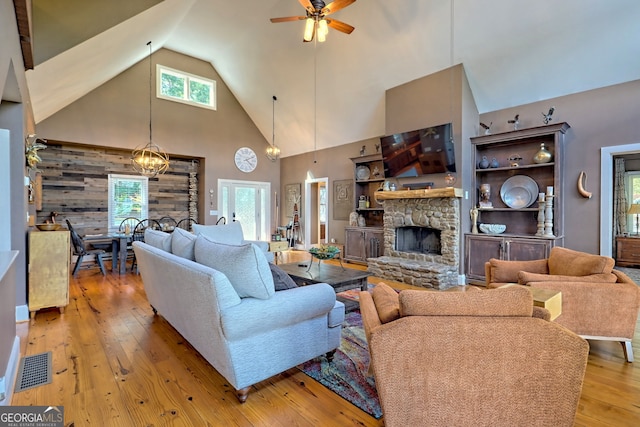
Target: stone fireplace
{"x": 421, "y": 237}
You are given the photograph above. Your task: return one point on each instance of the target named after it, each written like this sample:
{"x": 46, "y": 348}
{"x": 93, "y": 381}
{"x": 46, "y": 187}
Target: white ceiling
{"x": 514, "y": 52}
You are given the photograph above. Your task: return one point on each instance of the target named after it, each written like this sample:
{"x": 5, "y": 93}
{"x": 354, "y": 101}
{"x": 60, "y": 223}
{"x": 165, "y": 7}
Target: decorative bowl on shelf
{"x": 48, "y": 227}
{"x": 492, "y": 228}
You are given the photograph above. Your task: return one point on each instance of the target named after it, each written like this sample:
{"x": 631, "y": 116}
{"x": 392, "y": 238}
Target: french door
{"x": 247, "y": 202}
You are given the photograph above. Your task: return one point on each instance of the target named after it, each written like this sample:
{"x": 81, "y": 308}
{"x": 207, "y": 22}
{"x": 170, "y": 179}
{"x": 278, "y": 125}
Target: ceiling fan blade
{"x": 307, "y": 5}
{"x": 334, "y": 6}
{"x": 288, "y": 19}
{"x": 340, "y": 26}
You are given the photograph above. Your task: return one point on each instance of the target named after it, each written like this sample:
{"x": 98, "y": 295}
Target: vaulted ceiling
{"x": 514, "y": 52}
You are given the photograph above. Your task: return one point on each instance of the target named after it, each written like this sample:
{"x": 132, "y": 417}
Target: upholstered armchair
{"x": 598, "y": 302}
{"x": 476, "y": 358}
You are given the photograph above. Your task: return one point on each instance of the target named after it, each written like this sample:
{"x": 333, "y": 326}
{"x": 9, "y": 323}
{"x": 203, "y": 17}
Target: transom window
{"x": 128, "y": 197}
{"x": 183, "y": 87}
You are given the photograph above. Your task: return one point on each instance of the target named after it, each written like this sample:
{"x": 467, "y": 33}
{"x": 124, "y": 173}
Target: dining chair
{"x": 138, "y": 236}
{"x": 128, "y": 226}
{"x": 80, "y": 250}
{"x": 167, "y": 223}
{"x": 222, "y": 220}
{"x": 131, "y": 222}
{"x": 186, "y": 224}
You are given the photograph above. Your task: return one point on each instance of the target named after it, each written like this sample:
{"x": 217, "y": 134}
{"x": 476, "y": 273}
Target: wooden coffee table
{"x": 339, "y": 278}
{"x": 546, "y": 298}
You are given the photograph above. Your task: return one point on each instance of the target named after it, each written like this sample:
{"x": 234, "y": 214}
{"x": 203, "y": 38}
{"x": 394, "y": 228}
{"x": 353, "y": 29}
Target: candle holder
{"x": 548, "y": 216}
{"x": 541, "y": 206}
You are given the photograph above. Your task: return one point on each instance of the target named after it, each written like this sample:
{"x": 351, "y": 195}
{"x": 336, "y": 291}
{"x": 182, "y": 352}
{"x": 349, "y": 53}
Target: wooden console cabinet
{"x": 627, "y": 251}
{"x": 362, "y": 243}
{"x": 49, "y": 258}
{"x": 480, "y": 248}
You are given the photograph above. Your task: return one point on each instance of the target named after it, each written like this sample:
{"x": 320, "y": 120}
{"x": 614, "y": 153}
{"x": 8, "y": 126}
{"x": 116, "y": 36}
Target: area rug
{"x": 633, "y": 273}
{"x": 353, "y": 294}
{"x": 346, "y": 375}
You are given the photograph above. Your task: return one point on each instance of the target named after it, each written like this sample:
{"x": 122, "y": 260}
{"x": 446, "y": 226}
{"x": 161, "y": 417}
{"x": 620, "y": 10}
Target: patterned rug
{"x": 633, "y": 273}
{"x": 346, "y": 375}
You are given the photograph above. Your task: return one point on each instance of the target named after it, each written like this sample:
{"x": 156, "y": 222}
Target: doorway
{"x": 316, "y": 209}
{"x": 247, "y": 202}
{"x": 606, "y": 201}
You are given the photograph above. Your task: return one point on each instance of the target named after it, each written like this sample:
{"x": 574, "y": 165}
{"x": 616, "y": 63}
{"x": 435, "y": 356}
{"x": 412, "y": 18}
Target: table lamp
{"x": 634, "y": 209}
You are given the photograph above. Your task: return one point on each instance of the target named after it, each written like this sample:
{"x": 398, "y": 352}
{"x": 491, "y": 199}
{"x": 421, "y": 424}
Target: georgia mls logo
{"x": 32, "y": 416}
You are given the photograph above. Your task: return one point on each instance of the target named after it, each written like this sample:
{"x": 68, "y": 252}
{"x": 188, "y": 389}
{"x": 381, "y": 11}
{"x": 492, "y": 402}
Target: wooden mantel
{"x": 418, "y": 194}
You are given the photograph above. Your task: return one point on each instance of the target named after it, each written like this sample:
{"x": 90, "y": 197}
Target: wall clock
{"x": 246, "y": 159}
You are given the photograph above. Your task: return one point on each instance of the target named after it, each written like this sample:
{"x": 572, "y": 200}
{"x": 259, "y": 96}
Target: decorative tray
{"x": 363, "y": 173}
{"x": 519, "y": 191}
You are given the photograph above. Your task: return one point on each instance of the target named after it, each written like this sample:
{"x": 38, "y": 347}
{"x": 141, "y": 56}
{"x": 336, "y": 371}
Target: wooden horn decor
{"x": 582, "y": 181}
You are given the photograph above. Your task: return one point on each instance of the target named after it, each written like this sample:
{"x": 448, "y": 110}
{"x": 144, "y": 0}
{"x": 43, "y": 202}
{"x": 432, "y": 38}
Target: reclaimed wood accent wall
{"x": 75, "y": 185}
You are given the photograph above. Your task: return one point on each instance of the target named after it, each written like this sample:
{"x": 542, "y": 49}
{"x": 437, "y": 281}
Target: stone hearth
{"x": 437, "y": 209}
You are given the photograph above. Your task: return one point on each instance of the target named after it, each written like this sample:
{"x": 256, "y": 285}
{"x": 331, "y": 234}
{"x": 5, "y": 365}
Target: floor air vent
{"x": 34, "y": 371}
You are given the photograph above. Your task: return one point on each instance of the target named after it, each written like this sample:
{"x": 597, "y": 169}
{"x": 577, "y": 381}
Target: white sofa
{"x": 236, "y": 320}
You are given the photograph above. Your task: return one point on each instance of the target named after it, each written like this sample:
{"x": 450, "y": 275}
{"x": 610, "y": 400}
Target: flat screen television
{"x": 419, "y": 152}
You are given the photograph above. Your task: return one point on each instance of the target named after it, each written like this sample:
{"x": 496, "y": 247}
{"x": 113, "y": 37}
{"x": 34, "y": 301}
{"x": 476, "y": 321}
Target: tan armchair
{"x": 476, "y": 358}
{"x": 598, "y": 302}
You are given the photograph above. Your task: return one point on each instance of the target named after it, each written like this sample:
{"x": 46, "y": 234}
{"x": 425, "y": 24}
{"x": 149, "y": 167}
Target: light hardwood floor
{"x": 116, "y": 364}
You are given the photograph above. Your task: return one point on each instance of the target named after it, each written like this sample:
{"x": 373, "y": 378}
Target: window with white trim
{"x": 183, "y": 87}
{"x": 128, "y": 197}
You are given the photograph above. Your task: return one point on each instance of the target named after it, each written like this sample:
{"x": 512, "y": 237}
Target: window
{"x": 128, "y": 197}
{"x": 183, "y": 87}
{"x": 632, "y": 185}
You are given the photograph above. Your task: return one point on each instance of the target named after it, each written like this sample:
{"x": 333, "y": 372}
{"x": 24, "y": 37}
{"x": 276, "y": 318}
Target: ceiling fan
{"x": 317, "y": 22}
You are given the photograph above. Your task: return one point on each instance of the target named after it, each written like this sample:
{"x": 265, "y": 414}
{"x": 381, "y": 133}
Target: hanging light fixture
{"x": 309, "y": 29}
{"x": 315, "y": 26}
{"x": 150, "y": 160}
{"x": 273, "y": 152}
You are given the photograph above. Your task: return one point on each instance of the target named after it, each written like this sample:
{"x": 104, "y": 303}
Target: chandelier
{"x": 273, "y": 152}
{"x": 150, "y": 160}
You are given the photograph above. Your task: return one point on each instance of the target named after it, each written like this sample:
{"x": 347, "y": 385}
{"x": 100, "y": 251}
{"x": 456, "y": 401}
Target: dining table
{"x": 119, "y": 242}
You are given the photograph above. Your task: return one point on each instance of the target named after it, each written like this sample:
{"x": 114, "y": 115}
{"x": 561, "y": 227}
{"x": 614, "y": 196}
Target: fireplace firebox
{"x": 421, "y": 240}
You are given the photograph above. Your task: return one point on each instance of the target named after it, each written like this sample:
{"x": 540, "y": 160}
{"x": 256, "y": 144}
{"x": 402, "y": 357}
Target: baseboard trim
{"x": 9, "y": 380}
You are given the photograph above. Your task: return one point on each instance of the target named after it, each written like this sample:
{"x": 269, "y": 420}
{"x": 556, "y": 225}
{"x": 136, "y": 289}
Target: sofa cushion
{"x": 230, "y": 234}
{"x": 281, "y": 280}
{"x": 244, "y": 265}
{"x": 158, "y": 239}
{"x": 512, "y": 301}
{"x": 568, "y": 262}
{"x": 182, "y": 243}
{"x": 507, "y": 271}
{"x": 525, "y": 277}
{"x": 387, "y": 302}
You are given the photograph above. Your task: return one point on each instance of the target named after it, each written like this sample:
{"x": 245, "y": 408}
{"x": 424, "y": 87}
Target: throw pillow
{"x": 244, "y": 265}
{"x": 507, "y": 271}
{"x": 158, "y": 239}
{"x": 182, "y": 243}
{"x": 230, "y": 234}
{"x": 387, "y": 302}
{"x": 568, "y": 262}
{"x": 281, "y": 280}
{"x": 525, "y": 278}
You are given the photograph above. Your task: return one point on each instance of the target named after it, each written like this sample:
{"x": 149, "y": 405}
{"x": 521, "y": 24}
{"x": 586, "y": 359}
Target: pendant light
{"x": 273, "y": 152}
{"x": 150, "y": 160}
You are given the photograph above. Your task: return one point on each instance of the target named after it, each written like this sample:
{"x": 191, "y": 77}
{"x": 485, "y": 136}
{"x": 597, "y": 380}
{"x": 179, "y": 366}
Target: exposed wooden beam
{"x": 22, "y": 8}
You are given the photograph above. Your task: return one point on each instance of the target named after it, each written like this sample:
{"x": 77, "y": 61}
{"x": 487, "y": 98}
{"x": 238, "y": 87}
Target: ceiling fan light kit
{"x": 316, "y": 23}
